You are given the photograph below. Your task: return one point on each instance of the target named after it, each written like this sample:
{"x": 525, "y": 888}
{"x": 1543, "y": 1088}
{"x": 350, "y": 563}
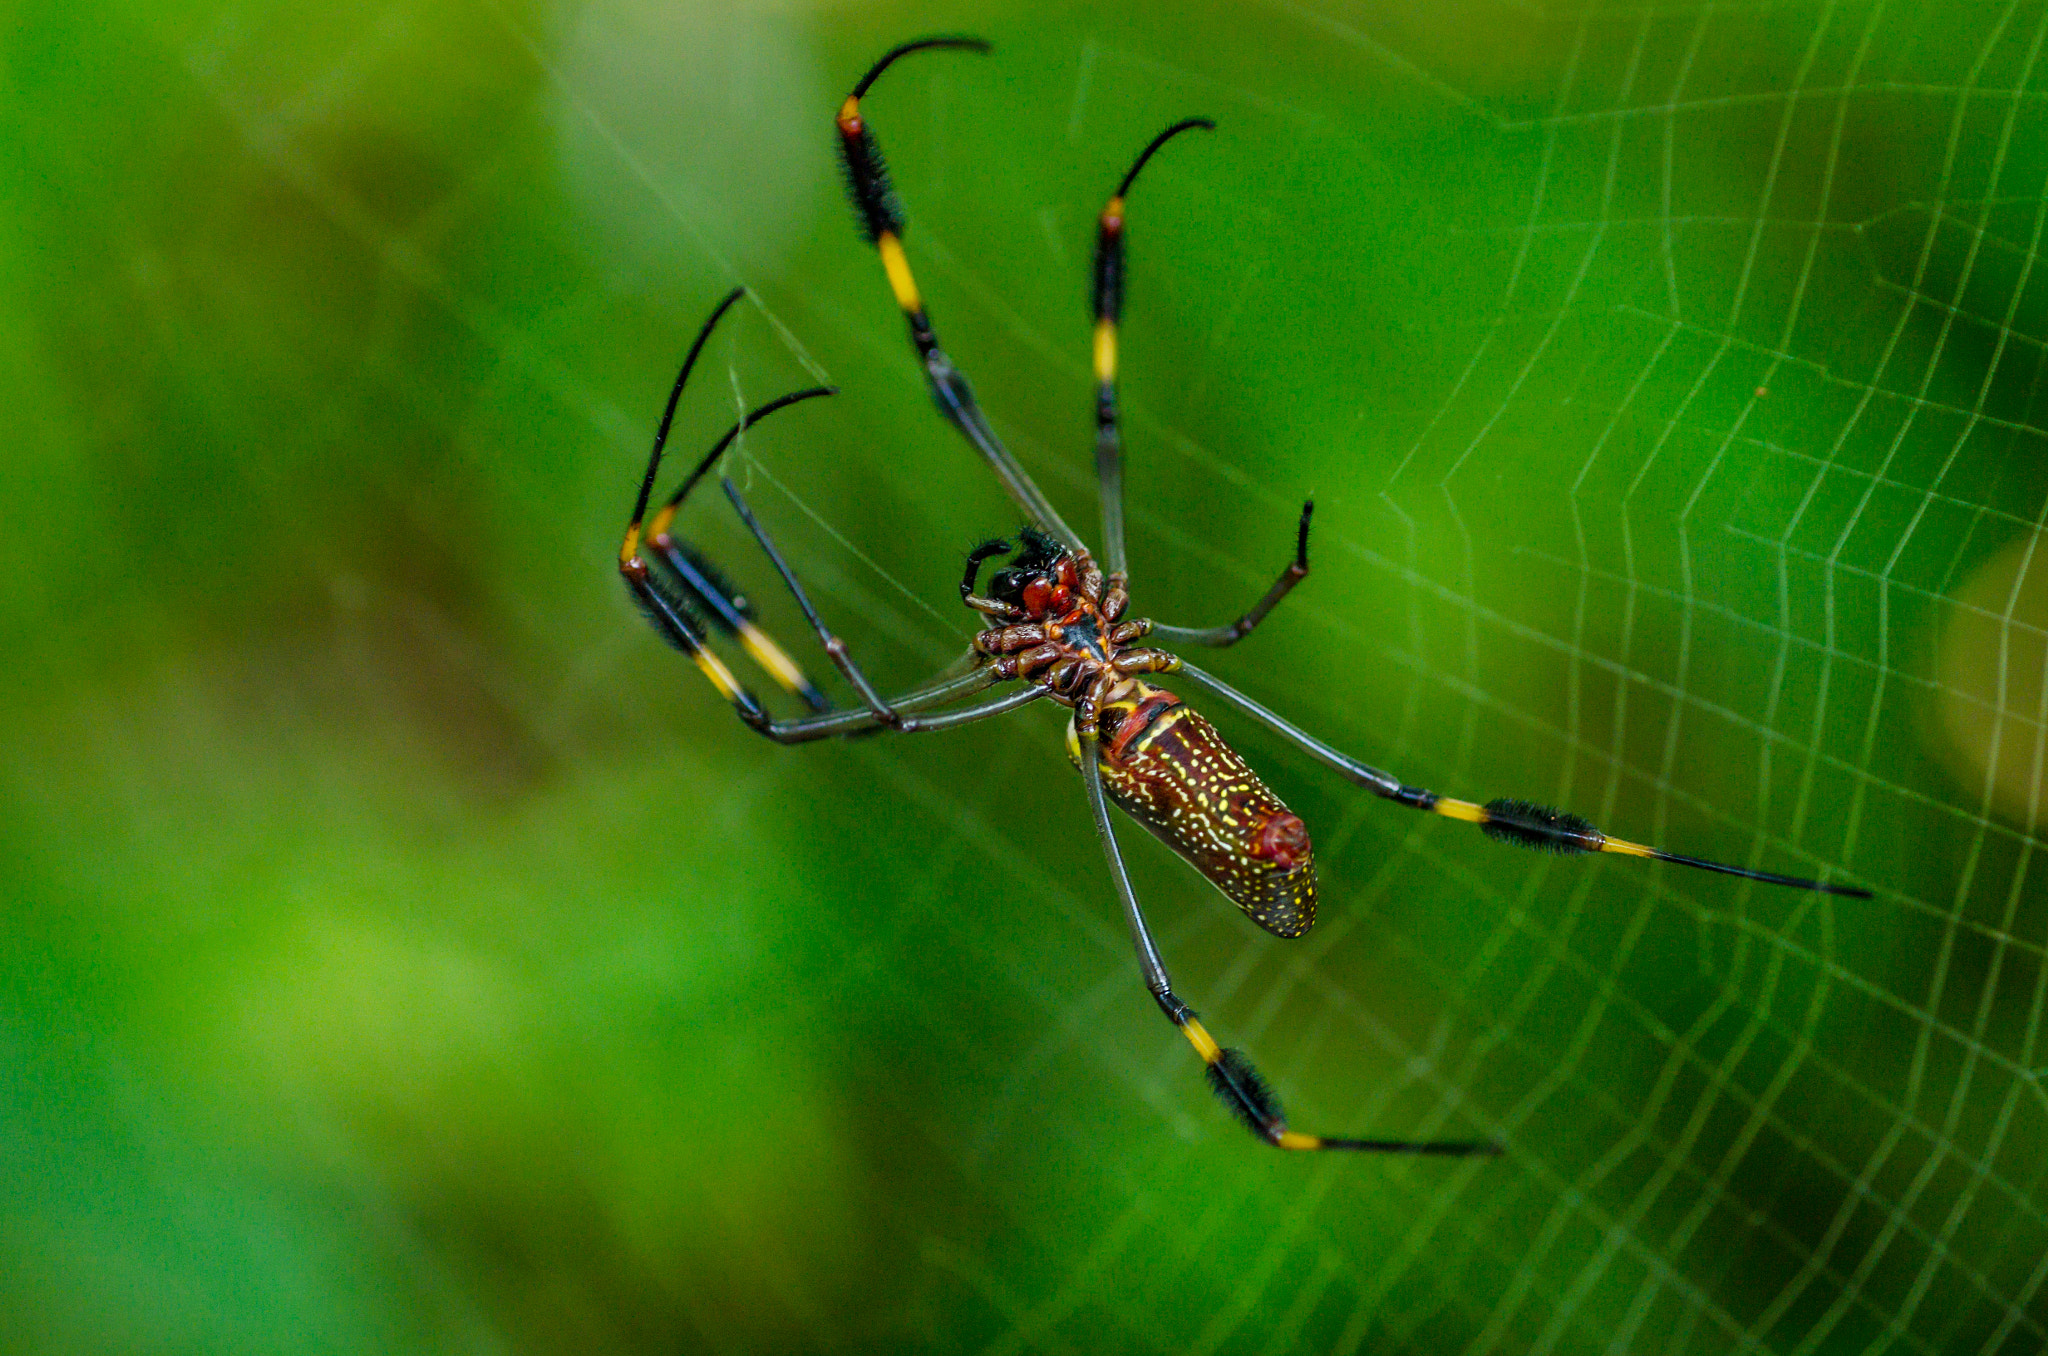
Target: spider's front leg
{"x": 692, "y": 598}
{"x": 687, "y": 599}
{"x": 1109, "y": 472}
{"x": 880, "y": 213}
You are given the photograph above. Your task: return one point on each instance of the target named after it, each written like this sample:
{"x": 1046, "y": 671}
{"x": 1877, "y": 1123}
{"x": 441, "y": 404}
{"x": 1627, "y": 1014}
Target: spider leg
{"x": 1109, "y": 305}
{"x": 706, "y": 598}
{"x": 853, "y": 722}
{"x": 696, "y": 597}
{"x": 685, "y": 598}
{"x": 883, "y": 712}
{"x": 1109, "y": 469}
{"x": 674, "y": 613}
{"x": 673, "y": 616}
{"x": 730, "y": 612}
{"x": 880, "y": 712}
{"x": 881, "y": 221}
{"x": 1230, "y": 1072}
{"x": 1220, "y": 636}
{"x": 1506, "y": 820}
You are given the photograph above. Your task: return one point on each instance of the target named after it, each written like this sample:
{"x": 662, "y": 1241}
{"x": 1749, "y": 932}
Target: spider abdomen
{"x": 1168, "y": 768}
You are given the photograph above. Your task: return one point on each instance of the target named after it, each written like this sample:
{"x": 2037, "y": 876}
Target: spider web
{"x": 1666, "y": 377}
{"x": 1672, "y": 503}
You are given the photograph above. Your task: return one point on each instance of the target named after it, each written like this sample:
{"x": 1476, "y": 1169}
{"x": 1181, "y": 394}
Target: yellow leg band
{"x": 720, "y": 676}
{"x": 1461, "y": 809}
{"x": 772, "y": 658}
{"x": 1204, "y": 1043}
{"x": 898, "y": 269}
{"x": 657, "y": 528}
{"x": 1105, "y": 350}
{"x": 631, "y": 547}
{"x": 1627, "y": 849}
{"x": 1294, "y": 1139}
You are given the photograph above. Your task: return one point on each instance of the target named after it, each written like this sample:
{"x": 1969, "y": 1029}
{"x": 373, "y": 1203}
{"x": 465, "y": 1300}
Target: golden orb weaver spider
{"x": 1053, "y": 620}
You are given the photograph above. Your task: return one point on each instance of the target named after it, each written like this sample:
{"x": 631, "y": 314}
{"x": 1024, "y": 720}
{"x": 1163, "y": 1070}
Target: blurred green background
{"x": 405, "y": 951}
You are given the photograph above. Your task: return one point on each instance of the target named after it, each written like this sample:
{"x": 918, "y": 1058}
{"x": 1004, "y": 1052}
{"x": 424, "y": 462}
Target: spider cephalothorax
{"x": 1039, "y": 578}
{"x": 1053, "y": 618}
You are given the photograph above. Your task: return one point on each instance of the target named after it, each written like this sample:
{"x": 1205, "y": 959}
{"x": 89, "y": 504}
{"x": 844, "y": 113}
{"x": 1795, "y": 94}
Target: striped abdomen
{"x": 1167, "y": 768}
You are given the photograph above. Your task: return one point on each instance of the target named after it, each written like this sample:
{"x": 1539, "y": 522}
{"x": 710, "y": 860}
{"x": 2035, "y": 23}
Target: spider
{"x": 1054, "y": 621}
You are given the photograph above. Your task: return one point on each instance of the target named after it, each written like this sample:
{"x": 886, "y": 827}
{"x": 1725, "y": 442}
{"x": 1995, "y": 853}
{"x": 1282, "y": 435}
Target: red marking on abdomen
{"x": 1137, "y": 722}
{"x": 1193, "y": 792}
{"x": 1282, "y": 840}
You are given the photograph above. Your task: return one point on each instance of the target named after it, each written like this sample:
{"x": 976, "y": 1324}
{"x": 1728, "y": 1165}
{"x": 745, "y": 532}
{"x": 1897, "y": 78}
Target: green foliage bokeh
{"x": 405, "y": 952}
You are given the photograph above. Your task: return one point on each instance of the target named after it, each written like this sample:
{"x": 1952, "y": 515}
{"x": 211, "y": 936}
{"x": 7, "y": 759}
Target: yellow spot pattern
{"x": 1192, "y": 792}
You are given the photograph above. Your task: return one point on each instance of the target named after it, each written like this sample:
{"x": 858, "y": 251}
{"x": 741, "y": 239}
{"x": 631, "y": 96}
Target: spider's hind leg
{"x": 1507, "y": 819}
{"x": 1230, "y": 1072}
